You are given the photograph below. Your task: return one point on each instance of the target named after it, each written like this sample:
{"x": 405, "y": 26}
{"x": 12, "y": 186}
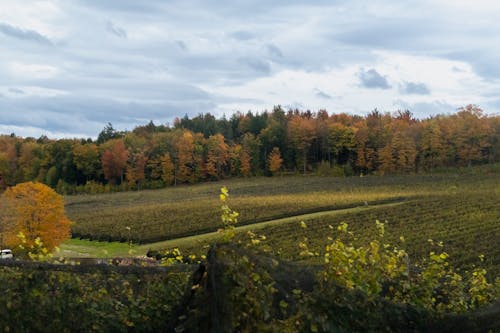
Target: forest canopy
{"x": 205, "y": 148}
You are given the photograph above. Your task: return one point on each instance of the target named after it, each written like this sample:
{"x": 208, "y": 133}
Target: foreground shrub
{"x": 39, "y": 297}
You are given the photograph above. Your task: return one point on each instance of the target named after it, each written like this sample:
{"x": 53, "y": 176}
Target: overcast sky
{"x": 67, "y": 67}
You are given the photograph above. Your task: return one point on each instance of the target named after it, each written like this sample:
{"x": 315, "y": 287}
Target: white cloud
{"x": 32, "y": 71}
{"x": 127, "y": 61}
{"x": 448, "y": 88}
{"x": 40, "y": 16}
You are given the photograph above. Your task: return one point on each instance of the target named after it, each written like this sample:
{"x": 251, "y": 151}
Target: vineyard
{"x": 459, "y": 210}
{"x": 466, "y": 225}
{"x": 245, "y": 166}
{"x": 308, "y": 254}
{"x": 189, "y": 210}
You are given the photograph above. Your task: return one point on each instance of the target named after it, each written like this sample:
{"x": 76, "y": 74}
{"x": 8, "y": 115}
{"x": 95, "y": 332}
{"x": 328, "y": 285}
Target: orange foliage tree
{"x": 301, "y": 133}
{"x": 136, "y": 169}
{"x": 275, "y": 161}
{"x": 218, "y": 155}
{"x": 37, "y": 211}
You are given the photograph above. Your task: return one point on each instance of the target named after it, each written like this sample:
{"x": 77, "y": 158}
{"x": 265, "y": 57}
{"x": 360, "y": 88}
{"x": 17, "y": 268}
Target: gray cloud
{"x": 321, "y": 94}
{"x": 294, "y": 105}
{"x": 439, "y": 34}
{"x": 242, "y": 35}
{"x": 16, "y": 91}
{"x": 175, "y": 47}
{"x": 483, "y": 63}
{"x": 415, "y": 88}
{"x": 87, "y": 115}
{"x": 371, "y": 79}
{"x": 489, "y": 106}
{"x": 235, "y": 100}
{"x": 181, "y": 45}
{"x": 274, "y": 51}
{"x": 116, "y": 30}
{"x": 22, "y": 34}
{"x": 257, "y": 64}
{"x": 394, "y": 33}
{"x": 126, "y": 6}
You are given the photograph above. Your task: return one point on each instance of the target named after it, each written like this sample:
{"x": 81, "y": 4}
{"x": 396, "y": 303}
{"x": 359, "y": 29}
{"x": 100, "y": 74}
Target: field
{"x": 461, "y": 209}
{"x": 190, "y": 210}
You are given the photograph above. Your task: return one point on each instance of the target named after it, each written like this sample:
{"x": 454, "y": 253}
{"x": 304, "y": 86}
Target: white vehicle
{"x": 6, "y": 254}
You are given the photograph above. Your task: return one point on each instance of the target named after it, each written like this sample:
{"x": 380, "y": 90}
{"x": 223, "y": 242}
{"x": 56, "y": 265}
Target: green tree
{"x": 108, "y": 133}
{"x": 86, "y": 158}
{"x": 341, "y": 142}
{"x": 251, "y": 146}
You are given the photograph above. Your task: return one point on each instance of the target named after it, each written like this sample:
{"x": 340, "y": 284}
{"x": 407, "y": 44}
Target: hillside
{"x": 459, "y": 209}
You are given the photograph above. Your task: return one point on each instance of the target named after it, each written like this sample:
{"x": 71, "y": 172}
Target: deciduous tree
{"x": 251, "y": 145}
{"x": 301, "y": 132}
{"x": 432, "y": 146}
{"x": 184, "y": 147}
{"x": 136, "y": 169}
{"x": 473, "y": 135}
{"x": 86, "y": 158}
{"x": 36, "y": 210}
{"x": 167, "y": 169}
{"x": 114, "y": 161}
{"x": 30, "y": 160}
{"x": 275, "y": 161}
{"x": 4, "y": 170}
{"x": 217, "y": 155}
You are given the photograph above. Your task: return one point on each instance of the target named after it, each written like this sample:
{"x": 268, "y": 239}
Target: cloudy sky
{"x": 67, "y": 67}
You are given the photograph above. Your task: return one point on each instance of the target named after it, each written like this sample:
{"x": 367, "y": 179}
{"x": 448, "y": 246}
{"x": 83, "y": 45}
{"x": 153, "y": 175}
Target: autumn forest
{"x": 274, "y": 142}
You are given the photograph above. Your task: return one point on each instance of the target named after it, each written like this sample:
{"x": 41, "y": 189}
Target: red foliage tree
{"x": 114, "y": 161}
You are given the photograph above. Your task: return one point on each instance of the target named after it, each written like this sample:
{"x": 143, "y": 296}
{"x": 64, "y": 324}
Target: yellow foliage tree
{"x": 184, "y": 147}
{"x": 35, "y": 210}
{"x": 168, "y": 169}
{"x": 275, "y": 161}
{"x": 301, "y": 133}
{"x": 217, "y": 156}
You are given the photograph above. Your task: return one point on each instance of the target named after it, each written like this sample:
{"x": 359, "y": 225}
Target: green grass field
{"x": 462, "y": 209}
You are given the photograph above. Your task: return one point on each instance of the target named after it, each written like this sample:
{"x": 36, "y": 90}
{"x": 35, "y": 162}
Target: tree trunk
{"x": 305, "y": 160}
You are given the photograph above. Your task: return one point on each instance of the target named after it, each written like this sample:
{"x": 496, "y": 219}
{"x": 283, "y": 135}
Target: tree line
{"x": 205, "y": 148}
